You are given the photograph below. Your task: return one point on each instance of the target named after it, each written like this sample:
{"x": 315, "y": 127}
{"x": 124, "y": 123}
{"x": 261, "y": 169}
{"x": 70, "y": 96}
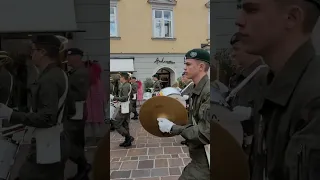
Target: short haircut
{"x": 50, "y": 43}
{"x": 125, "y": 76}
{"x": 206, "y": 65}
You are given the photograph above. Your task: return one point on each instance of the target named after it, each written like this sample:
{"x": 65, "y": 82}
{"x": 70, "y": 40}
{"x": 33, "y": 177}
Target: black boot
{"x": 128, "y": 141}
{"x": 184, "y": 143}
{"x": 122, "y": 144}
{"x": 135, "y": 117}
{"x": 83, "y": 173}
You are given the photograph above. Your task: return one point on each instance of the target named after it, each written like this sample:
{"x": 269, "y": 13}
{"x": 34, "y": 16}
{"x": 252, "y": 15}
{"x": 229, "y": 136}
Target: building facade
{"x": 152, "y": 37}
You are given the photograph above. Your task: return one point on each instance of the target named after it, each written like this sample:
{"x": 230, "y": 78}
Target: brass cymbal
{"x": 229, "y": 162}
{"x": 165, "y": 107}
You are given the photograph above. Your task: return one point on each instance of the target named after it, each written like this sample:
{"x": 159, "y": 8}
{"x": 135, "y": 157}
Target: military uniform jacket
{"x": 79, "y": 83}
{"x": 289, "y": 131}
{"x": 134, "y": 89}
{"x": 5, "y": 85}
{"x": 45, "y": 94}
{"x": 124, "y": 93}
{"x": 157, "y": 86}
{"x": 198, "y": 135}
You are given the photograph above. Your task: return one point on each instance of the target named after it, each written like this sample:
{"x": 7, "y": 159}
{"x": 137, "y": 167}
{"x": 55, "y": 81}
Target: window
{"x": 162, "y": 23}
{"x": 113, "y": 22}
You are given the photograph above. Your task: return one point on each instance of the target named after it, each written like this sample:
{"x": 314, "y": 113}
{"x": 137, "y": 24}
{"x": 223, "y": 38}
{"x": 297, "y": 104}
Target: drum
{"x": 223, "y": 113}
{"x": 173, "y": 93}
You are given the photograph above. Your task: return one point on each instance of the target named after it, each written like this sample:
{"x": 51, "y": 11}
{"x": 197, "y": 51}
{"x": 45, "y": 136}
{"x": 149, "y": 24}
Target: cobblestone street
{"x": 150, "y": 157}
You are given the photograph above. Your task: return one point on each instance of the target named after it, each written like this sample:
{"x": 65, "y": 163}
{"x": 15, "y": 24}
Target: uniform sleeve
{"x": 46, "y": 115}
{"x": 200, "y": 133}
{"x": 302, "y": 155}
{"x": 125, "y": 96}
{"x": 80, "y": 80}
{"x": 134, "y": 88}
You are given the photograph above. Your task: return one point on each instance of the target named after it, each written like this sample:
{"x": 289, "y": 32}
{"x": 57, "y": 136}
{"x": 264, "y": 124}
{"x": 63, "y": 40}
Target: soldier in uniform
{"x": 197, "y": 134}
{"x": 286, "y": 135}
{"x": 6, "y": 79}
{"x": 122, "y": 119}
{"x": 156, "y": 84}
{"x": 133, "y": 103}
{"x": 75, "y": 126}
{"x": 244, "y": 100}
{"x": 48, "y": 98}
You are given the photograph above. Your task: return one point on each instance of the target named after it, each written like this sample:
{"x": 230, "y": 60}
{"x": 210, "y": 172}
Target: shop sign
{"x": 162, "y": 61}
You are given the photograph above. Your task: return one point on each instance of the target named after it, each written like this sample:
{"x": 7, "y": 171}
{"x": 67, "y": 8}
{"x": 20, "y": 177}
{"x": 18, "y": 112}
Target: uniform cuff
{"x": 176, "y": 129}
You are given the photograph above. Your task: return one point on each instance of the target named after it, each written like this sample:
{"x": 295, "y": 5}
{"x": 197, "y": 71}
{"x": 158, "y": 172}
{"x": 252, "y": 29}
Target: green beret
{"x": 156, "y": 76}
{"x": 198, "y": 54}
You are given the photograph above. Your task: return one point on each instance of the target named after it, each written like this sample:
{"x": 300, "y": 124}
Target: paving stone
{"x": 118, "y": 153}
{"x": 125, "y": 159}
{"x": 155, "y": 151}
{"x": 161, "y": 163}
{"x": 174, "y": 171}
{"x": 115, "y": 159}
{"x": 129, "y": 165}
{"x": 137, "y": 152}
{"x": 143, "y": 158}
{"x": 168, "y": 140}
{"x": 120, "y": 174}
{"x": 165, "y": 144}
{"x": 172, "y": 150}
{"x": 146, "y": 164}
{"x": 151, "y": 178}
{"x": 186, "y": 161}
{"x": 115, "y": 165}
{"x": 140, "y": 173}
{"x": 183, "y": 155}
{"x": 152, "y": 157}
{"x": 158, "y": 172}
{"x": 166, "y": 156}
{"x": 174, "y": 156}
{"x": 175, "y": 162}
{"x": 134, "y": 158}
{"x": 153, "y": 145}
{"x": 170, "y": 178}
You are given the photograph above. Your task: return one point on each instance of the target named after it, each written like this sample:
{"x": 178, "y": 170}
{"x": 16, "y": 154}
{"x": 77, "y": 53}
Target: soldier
{"x": 245, "y": 98}
{"x": 286, "y": 135}
{"x": 48, "y": 98}
{"x": 122, "y": 119}
{"x": 133, "y": 102}
{"x": 197, "y": 134}
{"x": 156, "y": 84}
{"x": 6, "y": 79}
{"x": 75, "y": 126}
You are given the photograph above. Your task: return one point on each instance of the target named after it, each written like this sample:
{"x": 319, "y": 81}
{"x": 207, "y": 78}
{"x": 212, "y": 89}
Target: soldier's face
{"x": 193, "y": 68}
{"x": 241, "y": 58}
{"x": 262, "y": 24}
{"x": 36, "y": 54}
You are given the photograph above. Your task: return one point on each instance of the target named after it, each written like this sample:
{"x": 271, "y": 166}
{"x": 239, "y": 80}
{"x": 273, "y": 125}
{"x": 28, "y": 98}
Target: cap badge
{"x": 193, "y": 54}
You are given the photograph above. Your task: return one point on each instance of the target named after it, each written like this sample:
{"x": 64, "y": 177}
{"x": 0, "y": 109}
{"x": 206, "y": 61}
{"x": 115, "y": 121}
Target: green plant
{"x": 148, "y": 83}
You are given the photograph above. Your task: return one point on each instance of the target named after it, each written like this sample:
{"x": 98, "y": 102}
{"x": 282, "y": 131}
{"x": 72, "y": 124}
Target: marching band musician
{"x": 48, "y": 99}
{"x": 122, "y": 117}
{"x": 245, "y": 99}
{"x": 197, "y": 134}
{"x": 156, "y": 84}
{"x": 75, "y": 125}
{"x": 134, "y": 85}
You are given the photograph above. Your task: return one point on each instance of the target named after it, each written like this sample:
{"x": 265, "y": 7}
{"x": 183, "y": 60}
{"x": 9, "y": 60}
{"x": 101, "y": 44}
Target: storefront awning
{"x": 37, "y": 16}
{"x": 121, "y": 65}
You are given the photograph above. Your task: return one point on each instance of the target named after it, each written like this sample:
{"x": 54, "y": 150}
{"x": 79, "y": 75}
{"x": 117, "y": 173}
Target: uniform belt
{"x": 79, "y": 111}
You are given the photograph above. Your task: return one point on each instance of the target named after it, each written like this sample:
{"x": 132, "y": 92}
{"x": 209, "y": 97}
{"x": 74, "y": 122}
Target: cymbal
{"x": 165, "y": 107}
{"x": 228, "y": 161}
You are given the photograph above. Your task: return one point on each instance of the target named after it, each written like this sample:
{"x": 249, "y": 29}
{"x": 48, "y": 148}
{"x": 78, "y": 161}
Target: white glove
{"x": 5, "y": 112}
{"x": 185, "y": 97}
{"x": 111, "y": 97}
{"x": 165, "y": 125}
{"x": 244, "y": 113}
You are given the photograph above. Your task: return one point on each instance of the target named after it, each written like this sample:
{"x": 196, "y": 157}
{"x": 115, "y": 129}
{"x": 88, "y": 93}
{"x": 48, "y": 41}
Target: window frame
{"x": 162, "y": 9}
{"x": 115, "y": 15}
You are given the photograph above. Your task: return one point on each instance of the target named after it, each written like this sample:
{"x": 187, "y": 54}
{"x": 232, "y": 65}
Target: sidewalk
{"x": 150, "y": 157}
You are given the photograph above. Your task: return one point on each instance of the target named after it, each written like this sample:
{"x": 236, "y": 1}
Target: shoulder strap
{"x": 244, "y": 82}
{"x": 61, "y": 104}
{"x": 11, "y": 87}
{"x": 129, "y": 92}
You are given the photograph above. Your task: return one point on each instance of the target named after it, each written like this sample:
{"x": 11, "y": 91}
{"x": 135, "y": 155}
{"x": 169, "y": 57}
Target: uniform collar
{"x": 247, "y": 71}
{"x": 198, "y": 88}
{"x": 283, "y": 84}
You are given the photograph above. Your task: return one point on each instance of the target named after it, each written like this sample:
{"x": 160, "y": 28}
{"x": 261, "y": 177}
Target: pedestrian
{"x": 286, "y": 135}
{"x": 48, "y": 98}
{"x": 196, "y": 134}
{"x": 96, "y": 101}
{"x": 75, "y": 125}
{"x": 133, "y": 102}
{"x": 122, "y": 118}
{"x": 156, "y": 84}
{"x": 251, "y": 69}
{"x": 140, "y": 93}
